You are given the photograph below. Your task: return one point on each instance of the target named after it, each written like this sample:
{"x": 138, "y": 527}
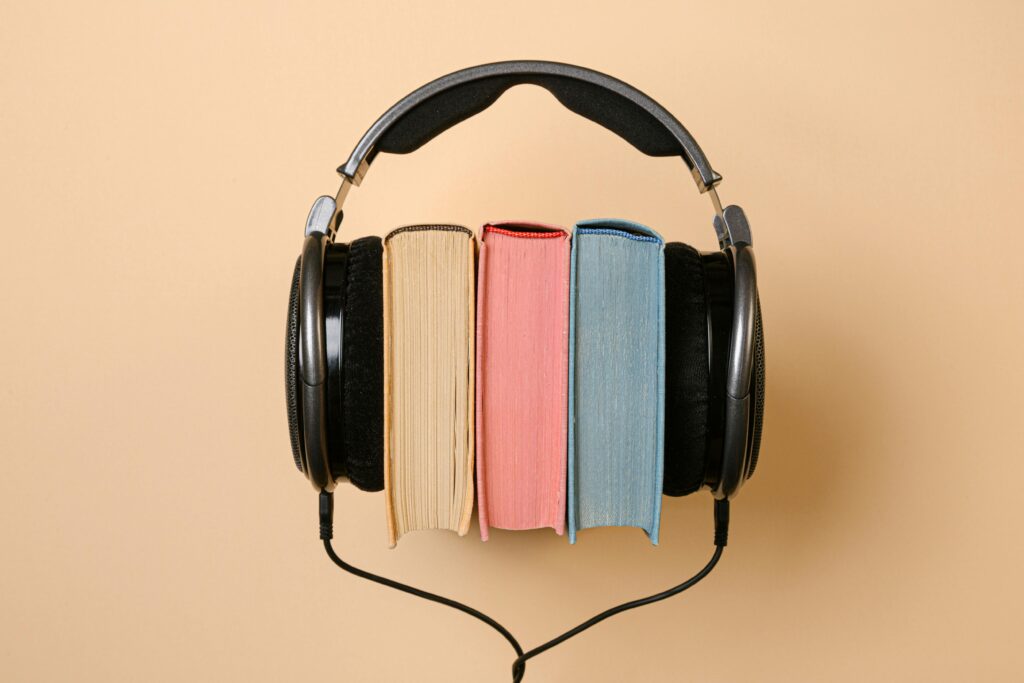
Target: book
{"x": 429, "y": 330}
{"x": 522, "y": 376}
{"x": 616, "y": 377}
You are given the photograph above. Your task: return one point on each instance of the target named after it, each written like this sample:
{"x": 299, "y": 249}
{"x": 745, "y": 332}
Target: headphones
{"x": 715, "y": 363}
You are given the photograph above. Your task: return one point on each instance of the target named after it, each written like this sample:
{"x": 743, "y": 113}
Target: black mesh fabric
{"x": 291, "y": 367}
{"x": 759, "y": 390}
{"x": 363, "y": 365}
{"x": 686, "y": 370}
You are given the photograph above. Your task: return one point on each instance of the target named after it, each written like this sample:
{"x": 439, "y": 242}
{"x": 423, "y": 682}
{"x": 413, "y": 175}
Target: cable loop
{"x": 519, "y": 665}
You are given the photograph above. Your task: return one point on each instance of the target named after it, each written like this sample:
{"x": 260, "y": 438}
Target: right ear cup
{"x": 363, "y": 365}
{"x": 699, "y": 292}
{"x": 686, "y": 370}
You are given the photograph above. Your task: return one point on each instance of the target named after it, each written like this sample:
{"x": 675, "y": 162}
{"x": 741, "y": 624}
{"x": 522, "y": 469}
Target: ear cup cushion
{"x": 686, "y": 370}
{"x": 363, "y": 365}
{"x": 291, "y": 368}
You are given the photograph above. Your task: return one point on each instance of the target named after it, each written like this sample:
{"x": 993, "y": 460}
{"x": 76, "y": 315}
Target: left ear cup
{"x": 686, "y": 370}
{"x": 291, "y": 371}
{"x": 352, "y": 403}
{"x": 363, "y": 365}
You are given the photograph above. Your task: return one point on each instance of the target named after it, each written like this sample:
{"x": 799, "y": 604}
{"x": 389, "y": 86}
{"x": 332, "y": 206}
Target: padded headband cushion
{"x": 610, "y": 109}
{"x": 686, "y": 370}
{"x": 291, "y": 368}
{"x": 363, "y": 365}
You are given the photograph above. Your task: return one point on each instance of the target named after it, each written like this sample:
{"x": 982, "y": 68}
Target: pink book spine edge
{"x": 522, "y": 376}
{"x": 481, "y": 465}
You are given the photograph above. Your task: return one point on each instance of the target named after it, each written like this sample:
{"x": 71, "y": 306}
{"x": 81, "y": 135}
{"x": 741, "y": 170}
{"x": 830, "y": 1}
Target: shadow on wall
{"x": 823, "y": 405}
{"x": 812, "y": 463}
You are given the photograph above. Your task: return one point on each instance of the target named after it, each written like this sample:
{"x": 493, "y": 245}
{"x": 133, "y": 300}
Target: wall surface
{"x": 158, "y": 161}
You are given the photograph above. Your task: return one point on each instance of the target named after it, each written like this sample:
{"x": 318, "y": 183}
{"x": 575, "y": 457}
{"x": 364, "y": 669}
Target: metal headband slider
{"x": 732, "y": 227}
{"x": 321, "y": 217}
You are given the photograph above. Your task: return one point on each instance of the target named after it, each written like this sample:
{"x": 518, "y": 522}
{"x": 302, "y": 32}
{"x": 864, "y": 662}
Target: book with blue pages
{"x": 616, "y": 377}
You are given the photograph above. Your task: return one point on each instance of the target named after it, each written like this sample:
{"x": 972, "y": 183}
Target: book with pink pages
{"x": 522, "y": 376}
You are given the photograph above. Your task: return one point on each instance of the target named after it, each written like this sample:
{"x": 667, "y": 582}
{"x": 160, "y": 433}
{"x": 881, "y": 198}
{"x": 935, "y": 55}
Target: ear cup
{"x": 686, "y": 370}
{"x": 363, "y": 365}
{"x": 291, "y": 370}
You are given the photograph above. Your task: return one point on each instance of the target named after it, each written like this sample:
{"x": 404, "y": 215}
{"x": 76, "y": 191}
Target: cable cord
{"x": 326, "y": 533}
{"x": 519, "y": 665}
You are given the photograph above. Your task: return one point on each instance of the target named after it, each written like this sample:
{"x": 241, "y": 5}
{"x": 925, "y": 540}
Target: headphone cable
{"x": 519, "y": 665}
{"x": 327, "y": 533}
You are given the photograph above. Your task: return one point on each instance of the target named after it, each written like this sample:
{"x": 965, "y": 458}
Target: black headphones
{"x": 715, "y": 377}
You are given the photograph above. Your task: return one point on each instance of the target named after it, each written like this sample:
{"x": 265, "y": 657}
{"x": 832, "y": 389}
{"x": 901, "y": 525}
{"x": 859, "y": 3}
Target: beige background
{"x": 158, "y": 161}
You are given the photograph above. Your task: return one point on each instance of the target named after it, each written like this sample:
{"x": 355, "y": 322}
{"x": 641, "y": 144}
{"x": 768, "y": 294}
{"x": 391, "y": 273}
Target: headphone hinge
{"x": 731, "y": 226}
{"x": 323, "y": 216}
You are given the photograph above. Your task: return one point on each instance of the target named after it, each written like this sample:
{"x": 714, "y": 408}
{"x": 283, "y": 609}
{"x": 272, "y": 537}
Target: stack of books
{"x": 528, "y": 376}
